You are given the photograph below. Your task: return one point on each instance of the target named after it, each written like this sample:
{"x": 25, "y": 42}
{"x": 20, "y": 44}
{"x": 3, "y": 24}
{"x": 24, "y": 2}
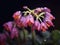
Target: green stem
{"x": 19, "y": 39}
{"x": 33, "y": 38}
{"x": 25, "y": 35}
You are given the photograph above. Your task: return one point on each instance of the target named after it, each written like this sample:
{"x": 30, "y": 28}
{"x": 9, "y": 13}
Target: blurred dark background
{"x": 8, "y": 7}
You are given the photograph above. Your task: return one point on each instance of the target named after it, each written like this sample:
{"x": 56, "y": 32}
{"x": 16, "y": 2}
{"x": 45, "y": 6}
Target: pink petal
{"x": 50, "y": 16}
{"x": 23, "y": 21}
{"x": 8, "y": 25}
{"x": 30, "y": 19}
{"x": 37, "y": 24}
{"x": 17, "y": 15}
{"x": 43, "y": 26}
{"x": 38, "y": 10}
{"x": 49, "y": 22}
{"x": 25, "y": 7}
{"x": 14, "y": 33}
{"x": 47, "y": 9}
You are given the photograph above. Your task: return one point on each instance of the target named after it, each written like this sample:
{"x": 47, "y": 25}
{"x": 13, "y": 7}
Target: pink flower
{"x": 22, "y": 22}
{"x": 8, "y": 26}
{"x": 50, "y": 16}
{"x": 25, "y": 7}
{"x": 37, "y": 10}
{"x": 42, "y": 23}
{"x": 14, "y": 33}
{"x": 43, "y": 26}
{"x": 29, "y": 20}
{"x": 36, "y": 25}
{"x": 48, "y": 22}
{"x": 45, "y": 9}
{"x": 17, "y": 15}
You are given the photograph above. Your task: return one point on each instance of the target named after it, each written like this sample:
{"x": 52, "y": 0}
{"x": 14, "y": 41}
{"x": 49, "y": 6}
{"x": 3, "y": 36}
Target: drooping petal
{"x": 37, "y": 25}
{"x": 8, "y": 26}
{"x": 29, "y": 20}
{"x": 50, "y": 16}
{"x": 23, "y": 21}
{"x": 17, "y": 15}
{"x": 48, "y": 22}
{"x": 43, "y": 26}
{"x": 14, "y": 33}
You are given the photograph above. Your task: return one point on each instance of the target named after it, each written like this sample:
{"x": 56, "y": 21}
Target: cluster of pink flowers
{"x": 10, "y": 27}
{"x": 38, "y": 19}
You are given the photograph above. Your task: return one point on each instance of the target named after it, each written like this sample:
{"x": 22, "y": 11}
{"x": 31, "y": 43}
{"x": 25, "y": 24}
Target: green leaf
{"x": 56, "y": 35}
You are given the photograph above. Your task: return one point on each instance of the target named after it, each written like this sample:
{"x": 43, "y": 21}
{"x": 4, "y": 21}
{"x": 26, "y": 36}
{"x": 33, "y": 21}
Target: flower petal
{"x": 14, "y": 33}
{"x": 37, "y": 25}
{"x": 29, "y": 20}
{"x": 50, "y": 16}
{"x": 48, "y": 22}
{"x": 46, "y": 9}
{"x": 43, "y": 26}
{"x": 17, "y": 15}
{"x": 8, "y": 26}
{"x": 37, "y": 10}
{"x": 23, "y": 21}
